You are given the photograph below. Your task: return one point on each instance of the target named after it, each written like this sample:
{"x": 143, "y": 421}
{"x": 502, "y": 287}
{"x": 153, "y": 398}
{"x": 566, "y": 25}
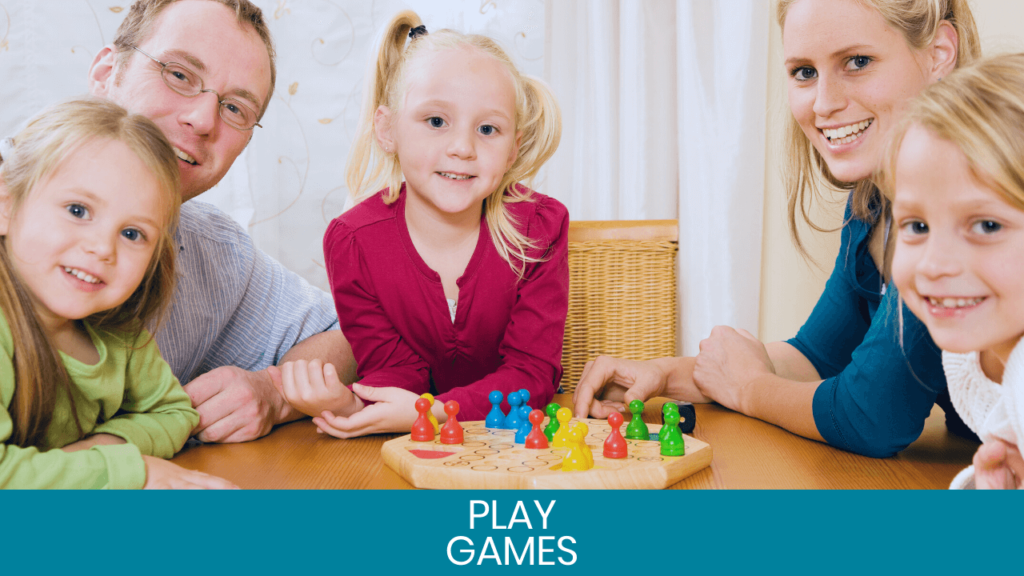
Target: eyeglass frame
{"x": 220, "y": 100}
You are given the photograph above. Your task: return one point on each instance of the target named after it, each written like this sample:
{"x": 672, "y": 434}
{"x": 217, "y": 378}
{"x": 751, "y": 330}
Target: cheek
{"x": 904, "y": 261}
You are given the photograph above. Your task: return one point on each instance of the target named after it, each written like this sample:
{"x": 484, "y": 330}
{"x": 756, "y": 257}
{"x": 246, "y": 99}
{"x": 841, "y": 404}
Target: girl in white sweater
{"x": 955, "y": 172}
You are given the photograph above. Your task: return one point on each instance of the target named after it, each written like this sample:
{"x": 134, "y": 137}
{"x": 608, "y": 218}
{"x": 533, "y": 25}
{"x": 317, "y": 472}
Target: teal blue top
{"x": 877, "y": 392}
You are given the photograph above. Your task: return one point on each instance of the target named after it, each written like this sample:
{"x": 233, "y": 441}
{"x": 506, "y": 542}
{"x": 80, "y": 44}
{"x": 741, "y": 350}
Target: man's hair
{"x": 137, "y": 25}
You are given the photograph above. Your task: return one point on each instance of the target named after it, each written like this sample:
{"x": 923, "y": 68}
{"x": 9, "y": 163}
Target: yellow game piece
{"x": 576, "y": 460}
{"x": 430, "y": 413}
{"x": 584, "y": 430}
{"x": 561, "y": 439}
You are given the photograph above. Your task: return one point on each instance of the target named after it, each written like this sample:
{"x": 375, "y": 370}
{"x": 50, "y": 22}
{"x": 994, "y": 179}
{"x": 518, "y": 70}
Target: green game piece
{"x": 637, "y": 430}
{"x": 671, "y": 437}
{"x": 552, "y": 427}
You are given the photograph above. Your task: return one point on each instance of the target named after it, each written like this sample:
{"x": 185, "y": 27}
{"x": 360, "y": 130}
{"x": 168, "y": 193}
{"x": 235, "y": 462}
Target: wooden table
{"x": 748, "y": 454}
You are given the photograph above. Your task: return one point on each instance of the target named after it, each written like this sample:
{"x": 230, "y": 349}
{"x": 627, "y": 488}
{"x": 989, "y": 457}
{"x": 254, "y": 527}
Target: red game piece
{"x": 451, "y": 432}
{"x": 536, "y": 438}
{"x": 422, "y": 429}
{"x": 615, "y": 445}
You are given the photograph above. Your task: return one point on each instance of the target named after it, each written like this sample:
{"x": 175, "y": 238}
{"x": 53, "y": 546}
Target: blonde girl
{"x": 450, "y": 276}
{"x": 852, "y": 67}
{"x": 88, "y": 200}
{"x": 955, "y": 171}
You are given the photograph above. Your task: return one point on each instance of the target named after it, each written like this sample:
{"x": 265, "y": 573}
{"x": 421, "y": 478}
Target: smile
{"x": 954, "y": 303}
{"x": 846, "y": 134}
{"x": 453, "y": 176}
{"x": 184, "y": 156}
{"x": 84, "y": 277}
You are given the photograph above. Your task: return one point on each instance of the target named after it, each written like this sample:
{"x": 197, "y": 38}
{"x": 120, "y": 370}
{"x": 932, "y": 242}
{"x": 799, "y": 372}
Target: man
{"x": 203, "y": 70}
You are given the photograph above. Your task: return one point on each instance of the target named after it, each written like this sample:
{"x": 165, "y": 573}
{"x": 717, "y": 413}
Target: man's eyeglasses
{"x": 187, "y": 83}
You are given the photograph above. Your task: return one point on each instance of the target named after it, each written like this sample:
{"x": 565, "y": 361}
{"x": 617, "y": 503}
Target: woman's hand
{"x": 998, "y": 465}
{"x": 609, "y": 384}
{"x": 728, "y": 362}
{"x": 393, "y": 410}
{"x": 313, "y": 388}
{"x": 163, "y": 475}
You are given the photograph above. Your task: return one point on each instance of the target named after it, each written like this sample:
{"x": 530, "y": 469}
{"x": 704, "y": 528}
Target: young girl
{"x": 956, "y": 172}
{"x": 88, "y": 199}
{"x": 456, "y": 281}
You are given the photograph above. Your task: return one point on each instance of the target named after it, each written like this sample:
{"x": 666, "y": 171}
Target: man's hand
{"x": 998, "y": 465}
{"x": 609, "y": 384}
{"x": 163, "y": 475}
{"x": 314, "y": 387}
{"x": 394, "y": 411}
{"x": 235, "y": 405}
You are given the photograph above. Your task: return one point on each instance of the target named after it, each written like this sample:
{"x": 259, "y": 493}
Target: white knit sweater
{"x": 991, "y": 410}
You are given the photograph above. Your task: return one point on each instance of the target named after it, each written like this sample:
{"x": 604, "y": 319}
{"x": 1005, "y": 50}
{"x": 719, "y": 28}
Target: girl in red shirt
{"x": 455, "y": 281}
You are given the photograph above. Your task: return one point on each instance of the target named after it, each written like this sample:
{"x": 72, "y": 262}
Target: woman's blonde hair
{"x": 38, "y": 150}
{"x": 918, "y": 21}
{"x": 537, "y": 118}
{"x": 980, "y": 108}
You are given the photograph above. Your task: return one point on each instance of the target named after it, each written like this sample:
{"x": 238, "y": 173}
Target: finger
{"x": 213, "y": 411}
{"x": 217, "y": 428}
{"x": 358, "y": 424}
{"x": 203, "y": 388}
{"x": 604, "y": 408}
{"x": 342, "y": 430}
{"x": 331, "y": 378}
{"x": 591, "y": 382}
{"x": 211, "y": 482}
{"x": 583, "y": 376}
{"x": 645, "y": 386}
{"x": 315, "y": 376}
{"x": 374, "y": 394}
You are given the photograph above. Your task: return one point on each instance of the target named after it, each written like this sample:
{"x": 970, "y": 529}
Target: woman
{"x": 846, "y": 378}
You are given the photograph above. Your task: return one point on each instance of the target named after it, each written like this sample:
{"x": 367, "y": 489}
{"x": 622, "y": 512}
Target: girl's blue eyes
{"x": 804, "y": 73}
{"x": 78, "y": 211}
{"x": 438, "y": 122}
{"x": 916, "y": 227}
{"x": 986, "y": 227}
{"x": 133, "y": 235}
{"x": 858, "y": 62}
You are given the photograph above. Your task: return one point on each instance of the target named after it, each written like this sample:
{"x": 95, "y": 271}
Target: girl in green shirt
{"x": 88, "y": 201}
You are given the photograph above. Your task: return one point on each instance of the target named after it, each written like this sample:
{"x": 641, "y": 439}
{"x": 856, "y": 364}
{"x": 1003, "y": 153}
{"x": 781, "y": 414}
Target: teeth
{"x": 82, "y": 275}
{"x": 454, "y": 176}
{"x": 954, "y": 302}
{"x": 184, "y": 156}
{"x": 846, "y": 134}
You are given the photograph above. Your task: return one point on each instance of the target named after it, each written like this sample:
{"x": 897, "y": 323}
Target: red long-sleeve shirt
{"x": 507, "y": 333}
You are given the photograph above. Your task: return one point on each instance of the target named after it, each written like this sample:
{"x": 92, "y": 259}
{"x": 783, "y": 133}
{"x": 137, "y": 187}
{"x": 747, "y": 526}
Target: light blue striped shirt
{"x": 234, "y": 305}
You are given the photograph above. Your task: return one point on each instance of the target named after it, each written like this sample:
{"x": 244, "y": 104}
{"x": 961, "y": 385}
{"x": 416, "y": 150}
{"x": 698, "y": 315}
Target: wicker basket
{"x": 622, "y": 293}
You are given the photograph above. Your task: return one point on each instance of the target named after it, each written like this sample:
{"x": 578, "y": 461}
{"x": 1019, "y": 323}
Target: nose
{"x": 942, "y": 258}
{"x": 462, "y": 144}
{"x": 102, "y": 245}
{"x": 830, "y": 96}
{"x": 201, "y": 111}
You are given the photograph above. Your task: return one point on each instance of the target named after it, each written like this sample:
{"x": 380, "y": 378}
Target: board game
{"x": 489, "y": 459}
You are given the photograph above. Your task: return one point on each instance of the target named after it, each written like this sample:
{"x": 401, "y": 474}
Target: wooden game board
{"x": 491, "y": 459}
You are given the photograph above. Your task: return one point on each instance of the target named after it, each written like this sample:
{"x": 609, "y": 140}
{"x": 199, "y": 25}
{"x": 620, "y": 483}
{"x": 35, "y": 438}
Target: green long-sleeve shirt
{"x": 130, "y": 393}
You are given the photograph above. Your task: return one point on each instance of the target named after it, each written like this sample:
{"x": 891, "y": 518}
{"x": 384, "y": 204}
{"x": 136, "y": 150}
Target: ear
{"x": 382, "y": 128}
{"x": 943, "y": 51}
{"x": 5, "y": 208}
{"x": 101, "y": 72}
{"x": 514, "y": 153}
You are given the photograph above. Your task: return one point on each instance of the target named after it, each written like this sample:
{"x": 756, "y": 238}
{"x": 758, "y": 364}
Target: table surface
{"x": 748, "y": 454}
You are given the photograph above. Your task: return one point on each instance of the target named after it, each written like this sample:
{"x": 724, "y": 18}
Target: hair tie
{"x": 418, "y": 31}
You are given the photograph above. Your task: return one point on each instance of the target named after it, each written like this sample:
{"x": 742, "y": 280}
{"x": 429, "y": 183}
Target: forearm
{"x": 679, "y": 379}
{"x": 784, "y": 403}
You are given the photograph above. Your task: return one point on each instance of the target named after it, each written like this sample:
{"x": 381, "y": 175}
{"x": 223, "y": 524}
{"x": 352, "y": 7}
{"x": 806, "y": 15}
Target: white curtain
{"x": 664, "y": 105}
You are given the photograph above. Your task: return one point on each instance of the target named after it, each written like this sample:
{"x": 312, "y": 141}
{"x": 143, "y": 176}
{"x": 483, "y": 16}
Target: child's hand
{"x": 998, "y": 465}
{"x": 394, "y": 411}
{"x": 163, "y": 475}
{"x": 313, "y": 388}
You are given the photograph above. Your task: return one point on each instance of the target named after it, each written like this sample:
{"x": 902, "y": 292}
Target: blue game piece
{"x": 512, "y": 420}
{"x": 526, "y": 426}
{"x": 495, "y": 418}
{"x": 524, "y": 395}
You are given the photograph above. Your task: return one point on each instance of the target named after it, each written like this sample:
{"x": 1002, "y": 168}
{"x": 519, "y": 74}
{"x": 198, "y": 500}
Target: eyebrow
{"x": 836, "y": 54}
{"x": 201, "y": 67}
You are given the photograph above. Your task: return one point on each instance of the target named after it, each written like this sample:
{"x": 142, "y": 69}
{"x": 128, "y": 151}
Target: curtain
{"x": 664, "y": 117}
